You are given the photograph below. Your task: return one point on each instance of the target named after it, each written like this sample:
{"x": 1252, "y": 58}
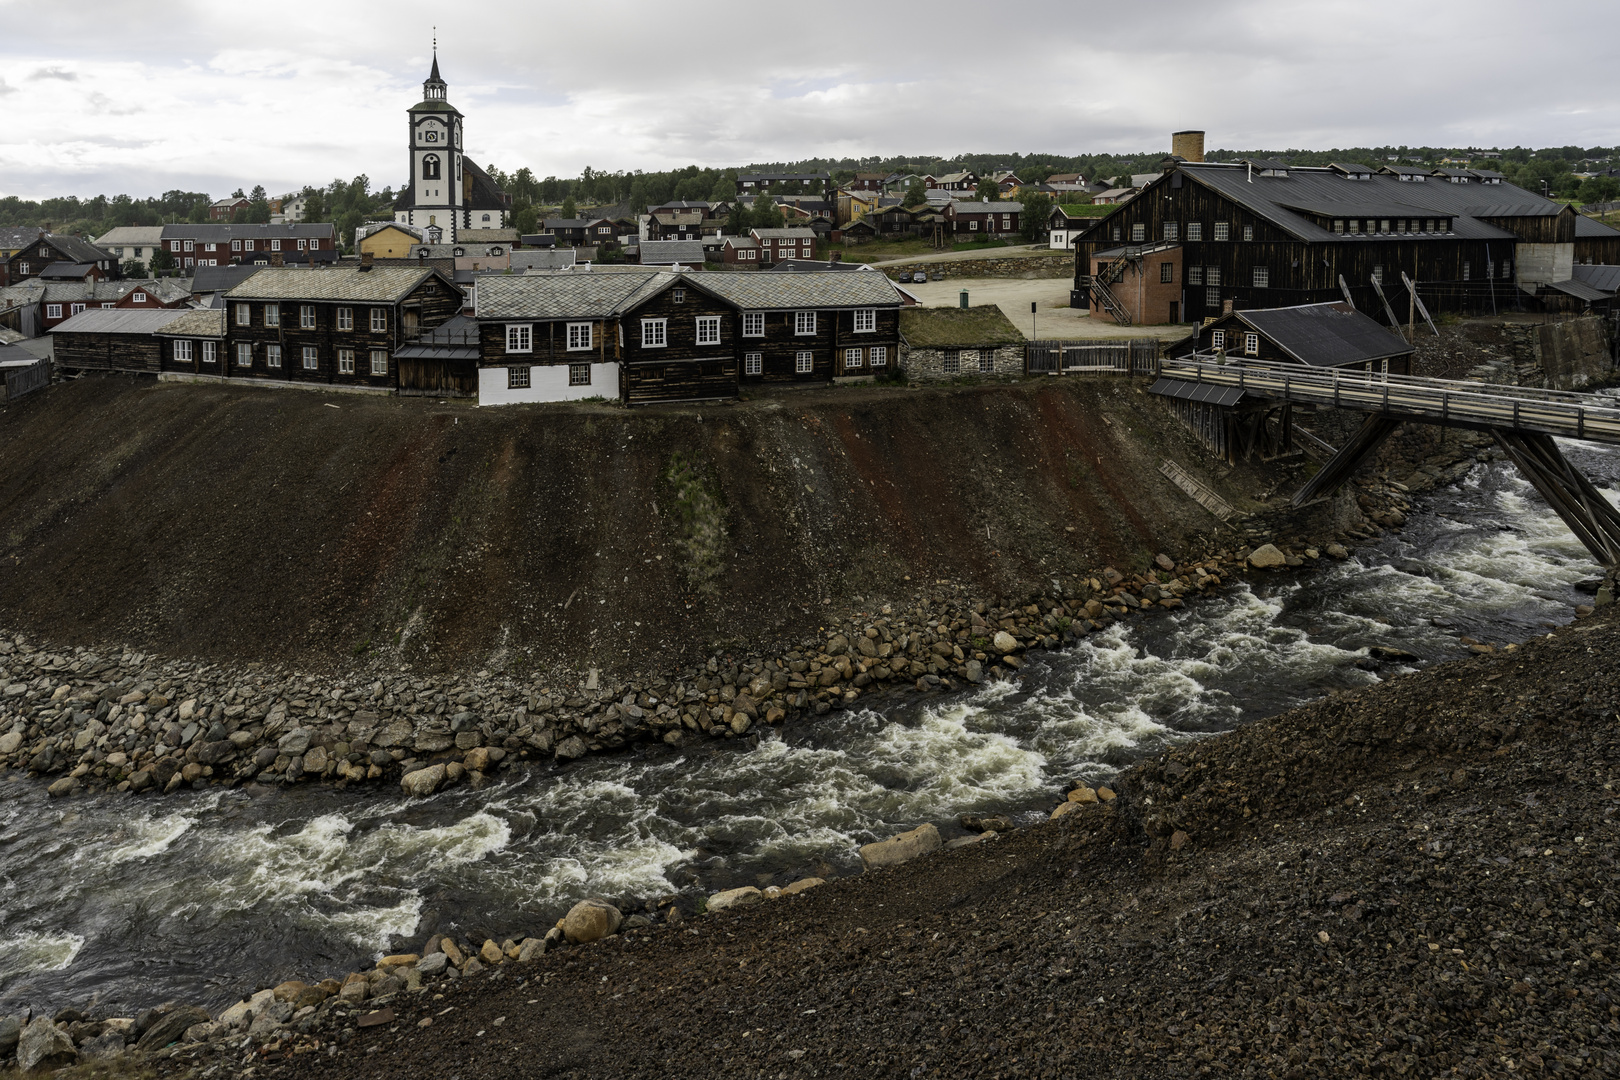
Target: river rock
{"x": 10, "y": 1031}
{"x": 902, "y": 847}
{"x": 1004, "y": 642}
{"x": 801, "y": 885}
{"x": 171, "y": 1027}
{"x": 43, "y": 1045}
{"x": 289, "y": 990}
{"x": 315, "y": 760}
{"x": 747, "y": 896}
{"x": 591, "y": 920}
{"x": 109, "y": 1044}
{"x": 354, "y": 990}
{"x": 975, "y": 672}
{"x": 571, "y": 748}
{"x": 10, "y": 742}
{"x": 214, "y": 753}
{"x": 294, "y": 743}
{"x": 1266, "y": 557}
{"x": 265, "y": 1022}
{"x": 432, "y": 963}
{"x": 533, "y": 948}
{"x": 491, "y": 953}
{"x": 1065, "y": 808}
{"x": 483, "y": 758}
{"x": 65, "y": 786}
{"x": 1337, "y": 551}
{"x": 1082, "y": 794}
{"x": 453, "y": 951}
{"x": 423, "y": 781}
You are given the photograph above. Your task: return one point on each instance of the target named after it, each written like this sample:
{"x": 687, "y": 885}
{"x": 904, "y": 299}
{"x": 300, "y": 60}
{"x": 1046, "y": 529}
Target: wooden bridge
{"x": 1523, "y": 421}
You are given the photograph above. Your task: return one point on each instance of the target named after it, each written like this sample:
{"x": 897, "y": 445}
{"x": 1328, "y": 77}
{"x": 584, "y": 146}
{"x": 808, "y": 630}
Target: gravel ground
{"x": 1013, "y": 296}
{"x": 1410, "y": 880}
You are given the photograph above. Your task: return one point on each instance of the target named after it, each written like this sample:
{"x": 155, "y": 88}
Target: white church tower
{"x": 448, "y": 196}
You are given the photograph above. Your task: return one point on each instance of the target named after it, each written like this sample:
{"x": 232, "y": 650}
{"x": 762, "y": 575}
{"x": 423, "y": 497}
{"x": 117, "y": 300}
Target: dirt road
{"x": 1053, "y": 318}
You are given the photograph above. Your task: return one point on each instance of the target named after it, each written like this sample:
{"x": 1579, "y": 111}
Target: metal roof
{"x": 1606, "y": 278}
{"x": 1207, "y": 393}
{"x": 380, "y": 284}
{"x": 196, "y": 322}
{"x": 1323, "y": 335}
{"x": 119, "y": 321}
{"x": 670, "y": 252}
{"x": 222, "y": 278}
{"x": 543, "y": 259}
{"x": 1580, "y": 290}
{"x": 968, "y": 207}
{"x": 1592, "y": 229}
{"x": 131, "y": 236}
{"x": 215, "y": 233}
{"x": 800, "y": 289}
{"x": 783, "y": 234}
{"x": 454, "y": 339}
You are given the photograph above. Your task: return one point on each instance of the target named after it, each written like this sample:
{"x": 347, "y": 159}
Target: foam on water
{"x": 27, "y": 954}
{"x": 150, "y": 837}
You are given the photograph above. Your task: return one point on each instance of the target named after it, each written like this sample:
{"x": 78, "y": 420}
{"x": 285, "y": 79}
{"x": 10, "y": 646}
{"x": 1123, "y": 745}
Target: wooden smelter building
{"x": 1233, "y": 424}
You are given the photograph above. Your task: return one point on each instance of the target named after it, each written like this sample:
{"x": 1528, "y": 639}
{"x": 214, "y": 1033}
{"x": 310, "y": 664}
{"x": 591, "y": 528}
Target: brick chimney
{"x": 365, "y": 261}
{"x": 275, "y": 259}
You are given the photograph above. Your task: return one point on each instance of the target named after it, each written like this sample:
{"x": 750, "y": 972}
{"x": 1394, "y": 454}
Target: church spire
{"x": 435, "y": 76}
{"x": 434, "y": 89}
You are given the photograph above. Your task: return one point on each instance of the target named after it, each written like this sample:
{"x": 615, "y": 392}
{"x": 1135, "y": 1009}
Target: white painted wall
{"x": 1538, "y": 264}
{"x": 547, "y": 382}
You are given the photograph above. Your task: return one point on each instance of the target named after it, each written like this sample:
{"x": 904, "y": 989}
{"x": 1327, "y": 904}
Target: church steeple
{"x": 434, "y": 89}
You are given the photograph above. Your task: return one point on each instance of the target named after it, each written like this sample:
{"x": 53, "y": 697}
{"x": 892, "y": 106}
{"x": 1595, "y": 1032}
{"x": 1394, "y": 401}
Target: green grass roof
{"x": 946, "y": 328}
{"x": 1088, "y": 209}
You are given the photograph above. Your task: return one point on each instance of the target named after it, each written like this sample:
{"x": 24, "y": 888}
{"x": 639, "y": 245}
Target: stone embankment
{"x": 1056, "y": 265}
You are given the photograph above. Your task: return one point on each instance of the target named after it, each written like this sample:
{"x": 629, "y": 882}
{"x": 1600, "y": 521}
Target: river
{"x": 202, "y": 896}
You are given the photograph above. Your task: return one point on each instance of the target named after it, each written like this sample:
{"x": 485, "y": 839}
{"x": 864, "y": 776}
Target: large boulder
{"x": 171, "y": 1027}
{"x": 423, "y": 781}
{"x": 43, "y": 1045}
{"x": 10, "y": 1032}
{"x": 1267, "y": 557}
{"x": 902, "y": 847}
{"x": 109, "y": 1044}
{"x": 747, "y": 896}
{"x": 1004, "y": 642}
{"x": 591, "y": 920}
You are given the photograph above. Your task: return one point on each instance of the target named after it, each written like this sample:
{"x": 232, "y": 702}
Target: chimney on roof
{"x": 275, "y": 259}
{"x": 1187, "y": 145}
{"x": 365, "y": 261}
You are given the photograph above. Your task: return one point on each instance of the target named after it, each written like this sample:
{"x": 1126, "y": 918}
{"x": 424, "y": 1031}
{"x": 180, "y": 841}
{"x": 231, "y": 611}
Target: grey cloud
{"x": 56, "y": 73}
{"x": 6, "y": 88}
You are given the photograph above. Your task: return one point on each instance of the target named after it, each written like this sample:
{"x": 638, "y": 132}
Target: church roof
{"x": 484, "y": 194}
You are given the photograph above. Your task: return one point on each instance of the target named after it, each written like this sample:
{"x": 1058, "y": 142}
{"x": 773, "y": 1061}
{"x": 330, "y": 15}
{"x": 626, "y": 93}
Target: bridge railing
{"x": 1580, "y": 416}
{"x": 1100, "y": 356}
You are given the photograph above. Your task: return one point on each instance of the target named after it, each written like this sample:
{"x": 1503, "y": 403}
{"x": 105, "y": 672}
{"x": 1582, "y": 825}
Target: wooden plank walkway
{"x": 1192, "y": 486}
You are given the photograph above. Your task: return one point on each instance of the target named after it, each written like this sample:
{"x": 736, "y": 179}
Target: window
{"x": 987, "y": 361}
{"x": 517, "y": 378}
{"x": 1212, "y": 275}
{"x": 804, "y": 322}
{"x": 1378, "y": 274}
{"x": 242, "y": 316}
{"x": 190, "y": 246}
{"x": 653, "y": 335}
{"x": 853, "y": 358}
{"x": 879, "y": 355}
{"x": 345, "y": 318}
{"x": 1217, "y": 339}
{"x": 519, "y": 338}
{"x": 430, "y": 167}
{"x": 753, "y": 363}
{"x": 210, "y": 352}
{"x": 601, "y": 230}
{"x": 1507, "y": 269}
{"x": 275, "y": 245}
{"x": 272, "y": 356}
{"x": 579, "y": 336}
{"x": 708, "y": 330}
{"x": 53, "y": 311}
{"x": 182, "y": 351}
{"x": 272, "y": 314}
{"x": 244, "y": 355}
{"x": 379, "y": 320}
{"x": 306, "y": 316}
{"x": 345, "y": 361}
{"x": 579, "y": 374}
{"x": 973, "y": 226}
{"x": 677, "y": 296}
{"x": 753, "y": 321}
{"x": 801, "y": 362}
{"x": 1248, "y": 232}
{"x": 1262, "y": 277}
{"x": 1116, "y": 232}
{"x": 174, "y": 245}
{"x": 301, "y": 245}
{"x": 1467, "y": 270}
{"x": 379, "y": 361}
{"x": 208, "y": 247}
{"x": 1212, "y": 297}
{"x": 22, "y": 268}
{"x": 1338, "y": 225}
{"x": 1223, "y": 230}
{"x": 1251, "y": 344}
{"x": 1195, "y": 275}
{"x": 311, "y": 359}
{"x": 1195, "y": 230}
{"x": 74, "y": 309}
{"x": 1167, "y": 273}
{"x": 236, "y": 245}
{"x": 951, "y": 362}
{"x": 107, "y": 305}
{"x": 1172, "y": 230}
{"x": 1138, "y": 233}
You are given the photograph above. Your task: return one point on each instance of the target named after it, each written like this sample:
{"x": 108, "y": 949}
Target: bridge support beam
{"x": 1572, "y": 496}
{"x": 1374, "y": 430}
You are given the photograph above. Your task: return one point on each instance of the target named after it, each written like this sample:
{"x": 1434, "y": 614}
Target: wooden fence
{"x": 1111, "y": 356}
{"x": 25, "y": 379}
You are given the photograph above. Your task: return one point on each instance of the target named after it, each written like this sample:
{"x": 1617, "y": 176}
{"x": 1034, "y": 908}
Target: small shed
{"x": 21, "y": 372}
{"x": 939, "y": 344}
{"x": 112, "y": 339}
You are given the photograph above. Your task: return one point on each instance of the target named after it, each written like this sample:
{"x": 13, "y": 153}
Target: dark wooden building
{"x": 973, "y": 220}
{"x": 332, "y": 325}
{"x": 194, "y": 344}
{"x": 1264, "y": 234}
{"x": 48, "y": 249}
{"x": 221, "y": 245}
{"x": 1596, "y": 243}
{"x": 113, "y": 339}
{"x": 680, "y": 342}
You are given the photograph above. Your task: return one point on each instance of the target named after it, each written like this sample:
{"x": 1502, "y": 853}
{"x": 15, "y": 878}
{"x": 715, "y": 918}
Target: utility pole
{"x": 1032, "y": 335}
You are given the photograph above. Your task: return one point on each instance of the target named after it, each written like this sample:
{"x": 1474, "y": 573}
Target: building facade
{"x": 448, "y": 195}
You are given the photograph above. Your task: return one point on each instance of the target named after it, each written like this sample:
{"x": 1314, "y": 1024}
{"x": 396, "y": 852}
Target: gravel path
{"x": 1411, "y": 880}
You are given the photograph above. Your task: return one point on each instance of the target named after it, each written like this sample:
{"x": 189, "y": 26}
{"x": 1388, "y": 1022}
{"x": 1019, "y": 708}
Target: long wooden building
{"x": 1261, "y": 233}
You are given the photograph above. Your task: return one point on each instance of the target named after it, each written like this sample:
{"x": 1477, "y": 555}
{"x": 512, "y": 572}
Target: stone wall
{"x": 1035, "y": 266}
{"x": 1574, "y": 353}
{"x": 930, "y": 365}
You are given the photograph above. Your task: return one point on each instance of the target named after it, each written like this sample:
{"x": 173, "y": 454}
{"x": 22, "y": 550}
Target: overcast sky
{"x": 140, "y": 98}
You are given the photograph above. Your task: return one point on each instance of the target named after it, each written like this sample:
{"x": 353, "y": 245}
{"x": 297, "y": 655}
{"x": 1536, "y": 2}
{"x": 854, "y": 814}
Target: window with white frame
{"x": 866, "y": 320}
{"x": 878, "y": 355}
{"x": 210, "y": 352}
{"x": 853, "y": 358}
{"x": 311, "y": 359}
{"x": 379, "y": 320}
{"x": 190, "y": 246}
{"x": 275, "y": 245}
{"x": 1195, "y": 230}
{"x": 105, "y": 304}
{"x": 753, "y": 324}
{"x": 579, "y": 336}
{"x": 272, "y": 356}
{"x": 804, "y": 322}
{"x": 302, "y": 245}
{"x": 379, "y": 361}
{"x": 272, "y": 314}
{"x": 987, "y": 361}
{"x": 801, "y": 362}
{"x": 244, "y": 355}
{"x": 579, "y": 374}
{"x": 1217, "y": 339}
{"x": 247, "y": 245}
{"x": 1251, "y": 344}
{"x": 345, "y": 361}
{"x": 53, "y": 311}
{"x": 519, "y": 338}
{"x": 236, "y": 245}
{"x": 138, "y": 298}
{"x": 654, "y": 333}
{"x": 951, "y": 362}
{"x": 1262, "y": 277}
{"x": 753, "y": 363}
{"x": 1223, "y": 230}
{"x": 708, "y": 330}
{"x": 517, "y": 378}
{"x": 345, "y": 318}
{"x": 1172, "y": 230}
{"x": 1378, "y": 274}
{"x": 677, "y": 296}
{"x": 306, "y": 316}
{"x": 1138, "y": 232}
{"x": 1467, "y": 271}
{"x": 1507, "y": 269}
{"x": 74, "y": 309}
{"x": 1115, "y": 233}
{"x": 174, "y": 245}
{"x": 1195, "y": 275}
{"x": 243, "y": 317}
{"x": 973, "y": 226}
{"x": 1248, "y": 232}
{"x": 1167, "y": 273}
{"x": 1212, "y": 275}
{"x": 182, "y": 351}
{"x": 1212, "y": 296}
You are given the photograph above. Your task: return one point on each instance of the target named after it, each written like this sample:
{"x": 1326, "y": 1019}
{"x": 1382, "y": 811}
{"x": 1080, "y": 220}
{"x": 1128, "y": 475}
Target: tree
{"x": 737, "y": 219}
{"x": 1599, "y": 189}
{"x": 1121, "y": 181}
{"x": 724, "y": 190}
{"x": 765, "y": 214}
{"x": 569, "y": 210}
{"x": 162, "y": 260}
{"x": 526, "y": 220}
{"x": 1037, "y": 209}
{"x": 916, "y": 194}
{"x": 989, "y": 190}
{"x": 134, "y": 268}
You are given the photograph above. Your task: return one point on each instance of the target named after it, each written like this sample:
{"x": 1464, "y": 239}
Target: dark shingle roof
{"x": 800, "y": 289}
{"x": 120, "y": 321}
{"x": 1325, "y": 335}
{"x": 566, "y": 295}
{"x": 380, "y": 284}
{"x": 214, "y": 234}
